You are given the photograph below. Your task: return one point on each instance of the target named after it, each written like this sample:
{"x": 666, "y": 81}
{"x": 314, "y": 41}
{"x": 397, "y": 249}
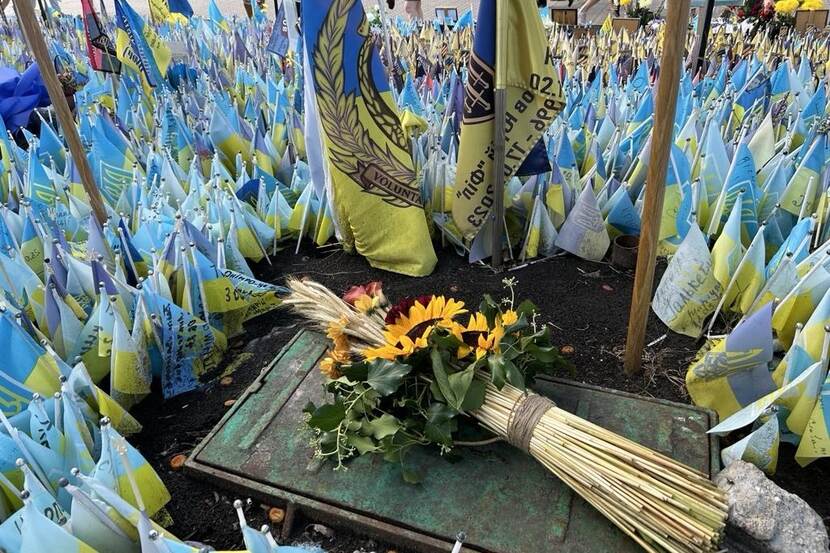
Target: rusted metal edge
{"x": 714, "y": 441}
{"x": 250, "y": 390}
{"x": 337, "y": 517}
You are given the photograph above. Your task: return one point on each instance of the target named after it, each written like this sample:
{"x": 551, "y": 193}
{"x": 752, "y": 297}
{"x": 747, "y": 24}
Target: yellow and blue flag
{"x": 509, "y": 52}
{"x": 688, "y": 291}
{"x": 804, "y": 184}
{"x": 375, "y": 194}
{"x": 735, "y": 371}
{"x": 139, "y": 46}
{"x": 728, "y": 250}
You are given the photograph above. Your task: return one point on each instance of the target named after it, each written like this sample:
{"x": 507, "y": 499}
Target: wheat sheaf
{"x": 348, "y": 139}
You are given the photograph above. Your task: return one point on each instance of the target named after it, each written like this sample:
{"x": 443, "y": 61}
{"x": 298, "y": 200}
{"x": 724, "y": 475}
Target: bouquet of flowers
{"x": 406, "y": 375}
{"x": 641, "y": 9}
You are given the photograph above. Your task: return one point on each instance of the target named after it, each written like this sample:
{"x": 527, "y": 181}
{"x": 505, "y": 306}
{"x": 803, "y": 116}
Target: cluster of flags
{"x": 215, "y": 142}
{"x": 199, "y": 162}
{"x": 755, "y": 248}
{"x": 746, "y": 201}
{"x": 69, "y": 480}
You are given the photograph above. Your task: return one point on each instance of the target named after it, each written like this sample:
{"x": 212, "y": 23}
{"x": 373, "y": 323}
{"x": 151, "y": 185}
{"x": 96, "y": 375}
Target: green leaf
{"x": 309, "y": 408}
{"x": 356, "y": 372}
{"x": 362, "y": 444}
{"x": 544, "y": 354}
{"x": 328, "y": 442}
{"x": 444, "y": 340}
{"x": 520, "y": 324}
{"x": 386, "y": 376}
{"x": 514, "y": 375}
{"x": 489, "y": 308}
{"x": 440, "y": 372}
{"x": 410, "y": 475}
{"x": 475, "y": 396}
{"x": 328, "y": 417}
{"x": 453, "y": 386}
{"x": 367, "y": 402}
{"x": 440, "y": 423}
{"x": 435, "y": 390}
{"x": 381, "y": 427}
{"x": 459, "y": 384}
{"x": 526, "y": 308}
{"x": 495, "y": 362}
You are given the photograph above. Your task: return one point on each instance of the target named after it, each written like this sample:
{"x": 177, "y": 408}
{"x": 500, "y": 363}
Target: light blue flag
{"x": 794, "y": 244}
{"x": 217, "y": 20}
{"x": 42, "y": 535}
{"x": 409, "y": 97}
{"x": 622, "y": 216}
{"x": 741, "y": 177}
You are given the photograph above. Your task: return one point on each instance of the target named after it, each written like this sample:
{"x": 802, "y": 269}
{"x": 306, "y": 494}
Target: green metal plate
{"x": 502, "y": 498}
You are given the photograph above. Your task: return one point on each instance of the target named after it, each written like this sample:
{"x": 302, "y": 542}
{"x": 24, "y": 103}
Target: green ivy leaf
{"x": 356, "y": 372}
{"x": 386, "y": 376}
{"x": 475, "y": 396}
{"x": 459, "y": 384}
{"x": 381, "y": 427}
{"x": 514, "y": 375}
{"x": 498, "y": 372}
{"x": 328, "y": 417}
{"x": 526, "y": 308}
{"x": 440, "y": 423}
{"x": 362, "y": 444}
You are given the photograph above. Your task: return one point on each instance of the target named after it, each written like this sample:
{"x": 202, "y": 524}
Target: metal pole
{"x": 703, "y": 34}
{"x": 677, "y": 21}
{"x": 32, "y": 32}
{"x": 497, "y": 213}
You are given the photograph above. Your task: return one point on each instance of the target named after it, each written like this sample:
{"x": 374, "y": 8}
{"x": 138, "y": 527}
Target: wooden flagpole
{"x": 677, "y": 23}
{"x": 34, "y": 37}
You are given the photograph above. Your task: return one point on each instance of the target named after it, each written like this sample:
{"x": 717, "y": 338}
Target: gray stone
{"x": 765, "y": 518}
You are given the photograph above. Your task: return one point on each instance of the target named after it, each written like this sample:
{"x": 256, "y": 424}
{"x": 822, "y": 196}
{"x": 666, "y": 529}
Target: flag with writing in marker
{"x": 509, "y": 52}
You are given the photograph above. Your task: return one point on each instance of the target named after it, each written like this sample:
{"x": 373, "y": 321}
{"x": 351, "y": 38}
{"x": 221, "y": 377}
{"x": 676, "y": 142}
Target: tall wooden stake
{"x": 497, "y": 212}
{"x": 32, "y": 32}
{"x": 677, "y": 22}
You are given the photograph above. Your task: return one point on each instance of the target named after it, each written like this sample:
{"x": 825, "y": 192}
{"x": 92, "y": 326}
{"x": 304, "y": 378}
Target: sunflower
{"x": 478, "y": 335}
{"x": 411, "y": 328}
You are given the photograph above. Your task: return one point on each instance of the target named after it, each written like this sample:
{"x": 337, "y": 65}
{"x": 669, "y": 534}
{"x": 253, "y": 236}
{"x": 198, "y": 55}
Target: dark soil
{"x": 586, "y": 303}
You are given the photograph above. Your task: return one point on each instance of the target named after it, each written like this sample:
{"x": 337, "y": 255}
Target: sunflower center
{"x": 418, "y": 330}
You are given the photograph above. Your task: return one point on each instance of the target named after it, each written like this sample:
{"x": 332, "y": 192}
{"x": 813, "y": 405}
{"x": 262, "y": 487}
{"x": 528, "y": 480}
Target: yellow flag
{"x": 607, "y": 26}
{"x": 375, "y": 193}
{"x": 510, "y": 53}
